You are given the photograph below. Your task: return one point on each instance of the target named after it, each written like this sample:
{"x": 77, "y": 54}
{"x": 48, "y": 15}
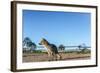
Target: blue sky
{"x": 68, "y": 28}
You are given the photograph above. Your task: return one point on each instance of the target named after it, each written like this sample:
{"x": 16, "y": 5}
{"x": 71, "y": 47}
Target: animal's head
{"x": 43, "y": 41}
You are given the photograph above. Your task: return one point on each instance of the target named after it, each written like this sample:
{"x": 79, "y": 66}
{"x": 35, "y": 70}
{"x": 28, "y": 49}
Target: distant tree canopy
{"x": 83, "y": 46}
{"x": 61, "y": 47}
{"x": 28, "y": 45}
{"x": 80, "y": 46}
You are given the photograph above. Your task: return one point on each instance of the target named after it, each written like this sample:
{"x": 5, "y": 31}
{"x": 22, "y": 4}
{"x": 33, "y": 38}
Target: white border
{"x": 21, "y": 65}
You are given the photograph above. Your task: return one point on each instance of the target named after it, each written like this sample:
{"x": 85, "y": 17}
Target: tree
{"x": 79, "y": 47}
{"x": 28, "y": 45}
{"x": 32, "y": 46}
{"x": 61, "y": 47}
{"x": 84, "y": 48}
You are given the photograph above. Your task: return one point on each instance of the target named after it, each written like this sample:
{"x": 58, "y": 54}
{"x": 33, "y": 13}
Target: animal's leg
{"x": 49, "y": 56}
{"x": 58, "y": 56}
{"x": 54, "y": 57}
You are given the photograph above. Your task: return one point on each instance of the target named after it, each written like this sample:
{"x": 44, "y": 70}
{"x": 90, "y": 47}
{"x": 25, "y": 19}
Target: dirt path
{"x": 34, "y": 57}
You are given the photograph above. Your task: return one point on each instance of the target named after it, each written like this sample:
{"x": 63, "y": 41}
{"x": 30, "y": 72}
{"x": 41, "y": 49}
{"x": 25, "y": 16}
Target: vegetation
{"x": 37, "y": 51}
{"x": 85, "y": 51}
{"x": 61, "y": 47}
{"x": 28, "y": 45}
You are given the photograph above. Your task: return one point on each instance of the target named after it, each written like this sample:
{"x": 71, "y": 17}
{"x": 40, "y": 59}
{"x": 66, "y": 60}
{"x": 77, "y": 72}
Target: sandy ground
{"x": 35, "y": 57}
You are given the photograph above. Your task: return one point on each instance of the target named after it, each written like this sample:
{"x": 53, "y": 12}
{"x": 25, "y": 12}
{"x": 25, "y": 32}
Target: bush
{"x": 38, "y": 51}
{"x": 84, "y": 51}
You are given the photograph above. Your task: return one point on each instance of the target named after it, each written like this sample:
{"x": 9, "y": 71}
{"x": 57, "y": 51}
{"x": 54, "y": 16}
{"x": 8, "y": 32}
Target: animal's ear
{"x": 43, "y": 38}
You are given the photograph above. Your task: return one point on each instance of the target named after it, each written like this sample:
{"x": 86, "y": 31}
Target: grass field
{"x": 40, "y": 56}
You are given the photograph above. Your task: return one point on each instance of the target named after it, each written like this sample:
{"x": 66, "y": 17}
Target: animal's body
{"x": 51, "y": 50}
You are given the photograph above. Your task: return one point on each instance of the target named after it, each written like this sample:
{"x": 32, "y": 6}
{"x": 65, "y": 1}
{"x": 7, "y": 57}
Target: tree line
{"x": 30, "y": 46}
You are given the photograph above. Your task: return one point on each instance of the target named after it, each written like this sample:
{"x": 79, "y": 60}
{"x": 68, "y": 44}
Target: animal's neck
{"x": 46, "y": 45}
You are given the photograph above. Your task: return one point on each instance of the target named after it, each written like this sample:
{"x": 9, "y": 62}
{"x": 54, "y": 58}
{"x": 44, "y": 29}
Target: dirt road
{"x": 35, "y": 57}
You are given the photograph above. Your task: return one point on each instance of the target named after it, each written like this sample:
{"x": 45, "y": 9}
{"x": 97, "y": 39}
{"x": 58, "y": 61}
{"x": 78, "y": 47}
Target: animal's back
{"x": 54, "y": 48}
